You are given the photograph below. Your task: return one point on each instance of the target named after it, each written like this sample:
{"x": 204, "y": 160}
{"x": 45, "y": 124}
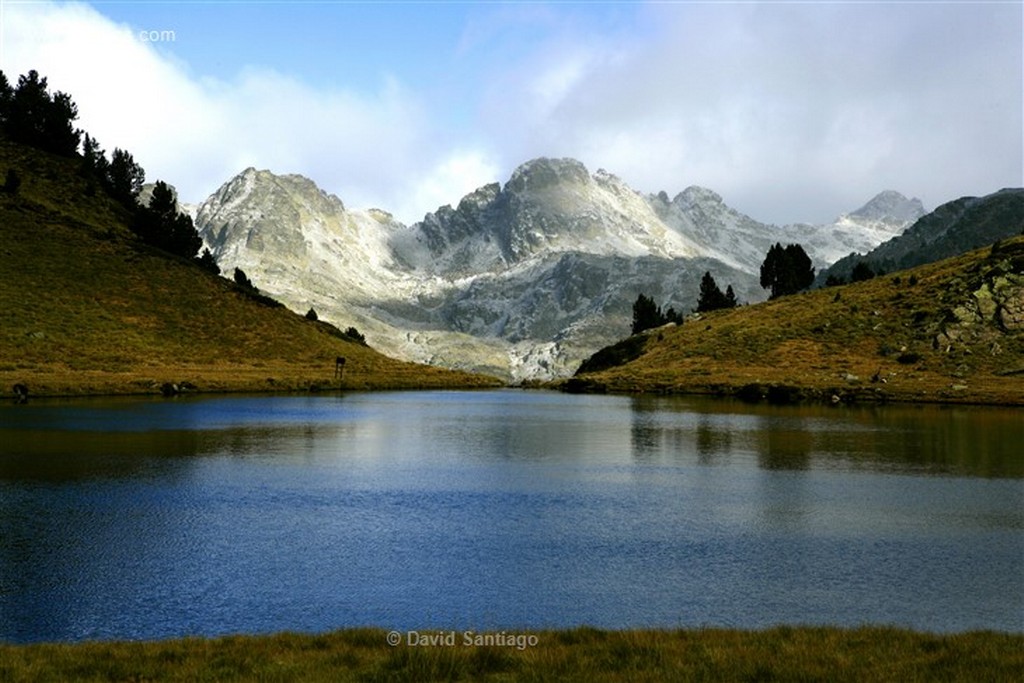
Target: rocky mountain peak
{"x": 543, "y": 173}
{"x": 890, "y": 206}
{"x": 271, "y": 196}
{"x": 480, "y": 198}
{"x": 696, "y": 195}
{"x": 523, "y": 278}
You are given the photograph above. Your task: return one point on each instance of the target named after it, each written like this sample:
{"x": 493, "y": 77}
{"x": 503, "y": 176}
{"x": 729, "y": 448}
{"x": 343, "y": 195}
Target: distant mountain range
{"x": 523, "y": 280}
{"x": 952, "y": 229}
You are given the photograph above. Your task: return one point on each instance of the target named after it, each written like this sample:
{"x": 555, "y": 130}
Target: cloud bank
{"x": 792, "y": 112}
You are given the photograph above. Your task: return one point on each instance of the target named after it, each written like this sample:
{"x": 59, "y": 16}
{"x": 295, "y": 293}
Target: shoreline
{"x": 573, "y": 654}
{"x": 200, "y": 381}
{"x": 781, "y": 394}
{"x": 98, "y": 384}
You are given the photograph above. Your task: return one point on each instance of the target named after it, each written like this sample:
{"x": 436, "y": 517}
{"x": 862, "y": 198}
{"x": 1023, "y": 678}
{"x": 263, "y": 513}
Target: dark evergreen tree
{"x": 311, "y": 314}
{"x": 243, "y": 281}
{"x": 834, "y": 281}
{"x": 353, "y": 334}
{"x": 711, "y": 297}
{"x": 786, "y": 270}
{"x": 730, "y": 298}
{"x": 6, "y": 95}
{"x": 646, "y": 314}
{"x": 161, "y": 225}
{"x": 31, "y": 116}
{"x": 800, "y": 267}
{"x": 153, "y": 220}
{"x": 771, "y": 269}
{"x": 862, "y": 271}
{"x": 124, "y": 179}
{"x": 208, "y": 263}
{"x": 94, "y": 160}
{"x": 61, "y": 135}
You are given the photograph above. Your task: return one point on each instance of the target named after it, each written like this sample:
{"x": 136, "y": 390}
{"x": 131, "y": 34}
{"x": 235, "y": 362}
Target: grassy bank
{"x": 783, "y": 653}
{"x": 85, "y": 308}
{"x": 951, "y": 331}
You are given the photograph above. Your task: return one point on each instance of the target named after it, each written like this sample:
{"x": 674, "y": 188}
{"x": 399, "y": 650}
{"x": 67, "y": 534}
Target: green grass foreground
{"x": 583, "y": 654}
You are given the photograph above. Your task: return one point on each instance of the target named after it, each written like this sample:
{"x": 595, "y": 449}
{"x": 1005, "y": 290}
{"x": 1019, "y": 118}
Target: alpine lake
{"x": 146, "y": 519}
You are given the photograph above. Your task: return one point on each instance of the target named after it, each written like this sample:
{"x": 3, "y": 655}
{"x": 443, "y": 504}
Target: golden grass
{"x": 833, "y": 341}
{"x": 86, "y": 309}
{"x": 583, "y": 654}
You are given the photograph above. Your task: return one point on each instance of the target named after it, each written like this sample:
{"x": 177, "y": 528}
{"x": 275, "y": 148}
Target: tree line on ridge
{"x": 785, "y": 270}
{"x": 30, "y": 115}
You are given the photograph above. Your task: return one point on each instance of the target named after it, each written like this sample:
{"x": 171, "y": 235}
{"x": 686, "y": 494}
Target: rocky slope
{"x": 522, "y": 280}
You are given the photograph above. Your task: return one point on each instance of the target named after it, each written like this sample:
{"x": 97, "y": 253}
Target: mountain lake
{"x": 502, "y": 510}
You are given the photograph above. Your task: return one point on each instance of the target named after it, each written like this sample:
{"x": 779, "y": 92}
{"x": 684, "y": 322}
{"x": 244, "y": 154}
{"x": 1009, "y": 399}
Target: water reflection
{"x": 919, "y": 439}
{"x": 502, "y": 509}
{"x": 712, "y": 440}
{"x": 784, "y": 447}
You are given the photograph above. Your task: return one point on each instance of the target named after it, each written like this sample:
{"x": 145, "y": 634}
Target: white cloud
{"x": 198, "y": 133}
{"x": 128, "y": 95}
{"x": 450, "y": 180}
{"x": 790, "y": 111}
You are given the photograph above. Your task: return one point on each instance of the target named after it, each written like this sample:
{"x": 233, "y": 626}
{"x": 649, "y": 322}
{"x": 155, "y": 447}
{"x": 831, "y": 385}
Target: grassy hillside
{"x": 584, "y": 654}
{"x": 86, "y": 308}
{"x": 948, "y": 331}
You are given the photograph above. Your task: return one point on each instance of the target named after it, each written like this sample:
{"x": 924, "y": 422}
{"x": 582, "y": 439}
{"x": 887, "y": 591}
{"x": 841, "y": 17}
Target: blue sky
{"x": 792, "y": 111}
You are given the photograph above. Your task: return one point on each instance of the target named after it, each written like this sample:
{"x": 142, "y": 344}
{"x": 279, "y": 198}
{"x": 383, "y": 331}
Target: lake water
{"x": 143, "y": 519}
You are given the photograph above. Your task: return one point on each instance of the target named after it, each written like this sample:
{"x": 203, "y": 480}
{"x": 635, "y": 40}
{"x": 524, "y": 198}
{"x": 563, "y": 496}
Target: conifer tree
{"x": 31, "y": 116}
{"x": 711, "y": 297}
{"x": 124, "y": 179}
{"x": 161, "y": 225}
{"x": 6, "y": 95}
{"x": 646, "y": 314}
{"x": 786, "y": 270}
{"x": 243, "y": 281}
{"x": 94, "y": 160}
{"x": 862, "y": 271}
{"x": 208, "y": 262}
{"x": 730, "y": 298}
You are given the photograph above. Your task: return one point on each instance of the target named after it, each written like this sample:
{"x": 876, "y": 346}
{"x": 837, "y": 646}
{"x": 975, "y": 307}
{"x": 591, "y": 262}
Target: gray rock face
{"x": 548, "y": 206}
{"x": 890, "y": 207}
{"x": 524, "y": 281}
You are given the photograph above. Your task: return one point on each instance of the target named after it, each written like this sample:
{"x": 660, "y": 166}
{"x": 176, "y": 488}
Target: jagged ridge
{"x": 525, "y": 279}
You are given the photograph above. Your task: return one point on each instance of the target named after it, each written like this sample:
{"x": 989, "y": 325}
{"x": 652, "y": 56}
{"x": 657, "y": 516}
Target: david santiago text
{"x": 519, "y": 641}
